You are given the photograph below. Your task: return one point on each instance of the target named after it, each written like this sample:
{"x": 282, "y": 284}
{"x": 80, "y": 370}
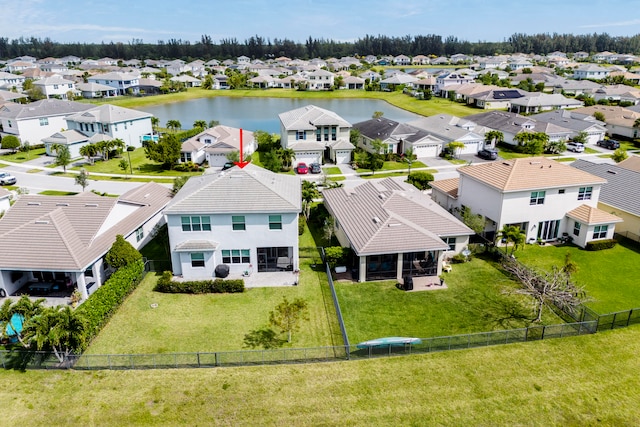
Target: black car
{"x": 315, "y": 168}
{"x": 228, "y": 165}
{"x": 611, "y": 144}
{"x": 488, "y": 154}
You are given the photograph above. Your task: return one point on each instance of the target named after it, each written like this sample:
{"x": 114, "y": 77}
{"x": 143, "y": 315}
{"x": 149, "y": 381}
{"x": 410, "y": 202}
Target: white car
{"x": 576, "y": 147}
{"x": 7, "y": 179}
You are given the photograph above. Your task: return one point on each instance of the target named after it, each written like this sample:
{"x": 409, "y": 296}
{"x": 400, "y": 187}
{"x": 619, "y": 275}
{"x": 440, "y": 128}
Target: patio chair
{"x": 446, "y": 267}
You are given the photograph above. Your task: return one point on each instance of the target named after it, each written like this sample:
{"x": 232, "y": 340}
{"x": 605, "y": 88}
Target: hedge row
{"x": 104, "y": 302}
{"x": 216, "y": 286}
{"x": 599, "y": 245}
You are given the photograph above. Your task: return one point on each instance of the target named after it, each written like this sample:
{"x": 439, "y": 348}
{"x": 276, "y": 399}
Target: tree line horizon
{"x": 258, "y": 47}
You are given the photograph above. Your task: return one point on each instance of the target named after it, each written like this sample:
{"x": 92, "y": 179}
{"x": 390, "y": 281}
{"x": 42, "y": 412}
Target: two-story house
{"x": 37, "y": 120}
{"x": 544, "y": 198}
{"x": 55, "y": 87}
{"x": 590, "y": 71}
{"x": 445, "y": 80}
{"x": 123, "y": 83}
{"x": 314, "y": 133}
{"x": 245, "y": 218}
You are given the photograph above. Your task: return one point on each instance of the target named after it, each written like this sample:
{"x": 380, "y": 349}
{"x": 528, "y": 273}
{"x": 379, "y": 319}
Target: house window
{"x": 561, "y": 191}
{"x": 196, "y": 223}
{"x": 576, "y": 228}
{"x": 318, "y": 134}
{"x": 197, "y": 259}
{"x": 300, "y": 135}
{"x": 275, "y": 222}
{"x": 43, "y": 121}
{"x": 237, "y": 222}
{"x": 139, "y": 234}
{"x": 236, "y": 256}
{"x": 451, "y": 241}
{"x": 55, "y": 86}
{"x": 185, "y": 157}
{"x": 326, "y": 134}
{"x": 334, "y": 134}
{"x": 600, "y": 231}
{"x": 9, "y": 123}
{"x": 584, "y": 193}
{"x": 537, "y": 198}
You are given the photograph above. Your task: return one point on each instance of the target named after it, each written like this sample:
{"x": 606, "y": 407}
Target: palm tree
{"x": 200, "y": 124}
{"x": 116, "y": 144}
{"x": 174, "y": 125}
{"x": 511, "y": 234}
{"x": 155, "y": 122}
{"x": 456, "y": 146}
{"x": 89, "y": 151}
{"x": 287, "y": 155}
{"x": 493, "y": 138}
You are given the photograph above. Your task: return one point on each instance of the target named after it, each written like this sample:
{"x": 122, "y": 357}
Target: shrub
{"x": 337, "y": 255}
{"x": 122, "y": 253}
{"x": 599, "y": 245}
{"x": 459, "y": 258}
{"x": 10, "y": 142}
{"x": 104, "y": 302}
{"x": 420, "y": 179}
{"x": 213, "y": 286}
{"x": 301, "y": 223}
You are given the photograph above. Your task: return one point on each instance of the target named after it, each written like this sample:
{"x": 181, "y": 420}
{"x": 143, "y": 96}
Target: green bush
{"x": 217, "y": 286}
{"x": 104, "y": 302}
{"x": 599, "y": 245}
{"x": 337, "y": 255}
{"x": 420, "y": 179}
{"x": 122, "y": 253}
{"x": 301, "y": 224}
{"x": 459, "y": 258}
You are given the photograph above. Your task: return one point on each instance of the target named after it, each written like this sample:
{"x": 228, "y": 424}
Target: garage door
{"x": 217, "y": 160}
{"x": 343, "y": 157}
{"x": 470, "y": 148}
{"x": 425, "y": 150}
{"x": 307, "y": 157}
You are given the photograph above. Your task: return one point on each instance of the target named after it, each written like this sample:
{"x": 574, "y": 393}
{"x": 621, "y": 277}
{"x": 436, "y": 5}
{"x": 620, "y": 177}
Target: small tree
{"x": 287, "y": 316}
{"x": 619, "y": 155}
{"x": 122, "y": 253}
{"x": 124, "y": 165}
{"x": 200, "y": 124}
{"x": 233, "y": 156}
{"x": 493, "y": 137}
{"x": 377, "y": 114}
{"x": 511, "y": 234}
{"x": 63, "y": 156}
{"x": 599, "y": 116}
{"x": 581, "y": 137}
{"x": 420, "y": 179}
{"x": 165, "y": 151}
{"x": 456, "y": 147}
{"x": 472, "y": 220}
{"x": 10, "y": 142}
{"x": 178, "y": 183}
{"x": 82, "y": 179}
{"x": 26, "y": 148}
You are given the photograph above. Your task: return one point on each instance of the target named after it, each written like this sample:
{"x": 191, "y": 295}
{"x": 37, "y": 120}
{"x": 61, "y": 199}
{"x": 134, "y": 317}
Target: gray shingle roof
{"x": 250, "y": 189}
{"x": 391, "y": 217}
{"x": 69, "y": 233}
{"x": 310, "y": 116}
{"x": 43, "y": 108}
{"x": 108, "y": 114}
{"x": 621, "y": 189}
{"x": 384, "y": 129}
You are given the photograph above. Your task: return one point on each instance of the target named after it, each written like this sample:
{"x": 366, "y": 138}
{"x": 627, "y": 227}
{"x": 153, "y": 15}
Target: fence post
{"x": 544, "y": 328}
{"x": 613, "y": 322}
{"x": 526, "y": 334}
{"x": 629, "y": 318}
{"x": 198, "y": 359}
{"x": 217, "y": 361}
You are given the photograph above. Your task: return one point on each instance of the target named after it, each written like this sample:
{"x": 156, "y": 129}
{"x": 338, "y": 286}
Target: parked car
{"x": 488, "y": 154}
{"x": 302, "y": 168}
{"x": 7, "y": 179}
{"x": 576, "y": 147}
{"x": 315, "y": 168}
{"x": 611, "y": 144}
{"x": 228, "y": 165}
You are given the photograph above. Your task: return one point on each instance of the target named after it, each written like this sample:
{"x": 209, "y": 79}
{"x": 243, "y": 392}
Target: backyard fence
{"x": 46, "y": 360}
{"x": 334, "y": 297}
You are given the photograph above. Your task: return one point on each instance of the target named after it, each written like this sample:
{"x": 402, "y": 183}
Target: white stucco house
{"x": 314, "y": 134}
{"x": 123, "y": 83}
{"x": 52, "y": 241}
{"x": 394, "y": 229}
{"x": 38, "y": 120}
{"x": 214, "y": 144}
{"x": 546, "y": 199}
{"x": 246, "y": 218}
{"x": 451, "y": 128}
{"x": 55, "y": 87}
{"x": 591, "y": 71}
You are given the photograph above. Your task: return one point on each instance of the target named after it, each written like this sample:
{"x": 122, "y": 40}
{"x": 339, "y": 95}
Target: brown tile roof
{"x": 631, "y": 163}
{"x": 528, "y": 173}
{"x": 448, "y": 186}
{"x": 390, "y": 217}
{"x": 69, "y": 233}
{"x": 590, "y": 215}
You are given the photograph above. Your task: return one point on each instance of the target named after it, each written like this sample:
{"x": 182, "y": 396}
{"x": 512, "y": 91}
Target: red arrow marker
{"x": 241, "y": 164}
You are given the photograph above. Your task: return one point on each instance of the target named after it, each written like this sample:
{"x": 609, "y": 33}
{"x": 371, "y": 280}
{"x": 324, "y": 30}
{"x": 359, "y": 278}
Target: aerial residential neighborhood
{"x": 180, "y": 210}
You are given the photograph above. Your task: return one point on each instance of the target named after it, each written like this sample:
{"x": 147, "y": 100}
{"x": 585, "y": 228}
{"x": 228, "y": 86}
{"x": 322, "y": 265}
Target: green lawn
{"x": 394, "y": 166}
{"x": 332, "y": 170}
{"x": 474, "y": 301}
{"x": 21, "y": 157}
{"x": 140, "y": 165}
{"x": 591, "y": 380}
{"x": 57, "y": 193}
{"x": 610, "y": 277}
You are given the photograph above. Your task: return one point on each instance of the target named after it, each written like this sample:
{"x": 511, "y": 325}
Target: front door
{"x": 548, "y": 230}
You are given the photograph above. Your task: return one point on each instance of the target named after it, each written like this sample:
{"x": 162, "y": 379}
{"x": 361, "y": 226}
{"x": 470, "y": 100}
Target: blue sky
{"x": 93, "y": 21}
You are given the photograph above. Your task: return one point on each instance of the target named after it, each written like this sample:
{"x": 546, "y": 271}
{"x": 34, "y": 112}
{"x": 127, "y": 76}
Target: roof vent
{"x": 376, "y": 220}
{"x": 395, "y": 224}
{"x": 62, "y": 204}
{"x": 42, "y": 221}
{"x": 534, "y": 163}
{"x": 612, "y": 172}
{"x": 91, "y": 205}
{"x": 382, "y": 196}
{"x": 33, "y": 204}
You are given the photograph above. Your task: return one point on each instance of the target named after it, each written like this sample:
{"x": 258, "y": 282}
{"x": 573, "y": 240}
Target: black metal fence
{"x": 336, "y": 303}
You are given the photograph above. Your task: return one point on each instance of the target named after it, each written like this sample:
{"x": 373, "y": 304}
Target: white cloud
{"x": 612, "y": 24}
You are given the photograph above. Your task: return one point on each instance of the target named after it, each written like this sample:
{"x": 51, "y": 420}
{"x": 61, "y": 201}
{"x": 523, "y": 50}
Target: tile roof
{"x": 631, "y": 163}
{"x": 236, "y": 190}
{"x": 385, "y": 129}
{"x": 620, "y": 190}
{"x": 108, "y": 114}
{"x": 69, "y": 233}
{"x": 389, "y": 217}
{"x": 310, "y": 116}
{"x": 447, "y": 127}
{"x": 223, "y": 139}
{"x": 43, "y": 108}
{"x": 448, "y": 186}
{"x": 528, "y": 174}
{"x": 592, "y": 216}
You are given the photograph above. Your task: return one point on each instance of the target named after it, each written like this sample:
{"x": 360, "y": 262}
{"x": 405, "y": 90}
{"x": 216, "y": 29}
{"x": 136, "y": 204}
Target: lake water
{"x": 262, "y": 113}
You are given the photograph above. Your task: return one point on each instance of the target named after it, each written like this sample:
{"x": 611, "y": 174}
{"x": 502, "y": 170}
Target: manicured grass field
{"x": 21, "y": 157}
{"x": 475, "y": 301}
{"x": 57, "y": 193}
{"x": 394, "y": 166}
{"x": 590, "y": 380}
{"x": 611, "y": 277}
{"x": 212, "y": 322}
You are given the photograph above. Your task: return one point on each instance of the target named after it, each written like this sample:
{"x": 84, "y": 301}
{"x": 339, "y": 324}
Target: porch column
{"x": 362, "y": 275}
{"x": 399, "y": 267}
{"x": 439, "y": 264}
{"x": 82, "y": 286}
